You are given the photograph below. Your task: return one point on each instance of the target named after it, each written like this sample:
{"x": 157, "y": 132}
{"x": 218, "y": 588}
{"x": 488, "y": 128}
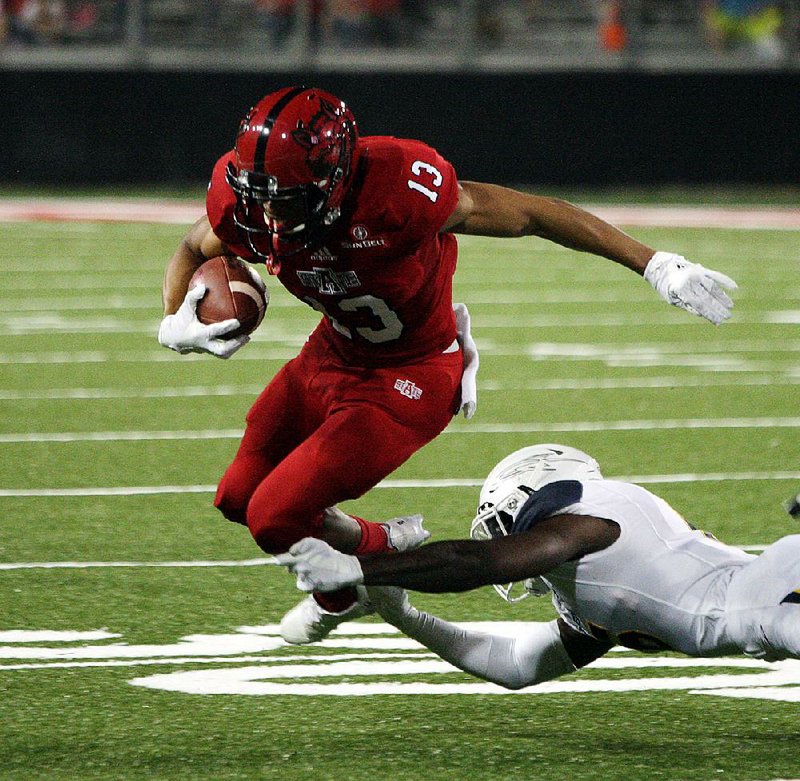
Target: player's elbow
{"x": 507, "y": 666}
{"x": 512, "y": 678}
{"x": 513, "y": 684}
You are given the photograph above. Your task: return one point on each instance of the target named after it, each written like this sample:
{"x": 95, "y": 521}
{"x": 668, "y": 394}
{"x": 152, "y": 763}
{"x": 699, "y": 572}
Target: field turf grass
{"x": 574, "y": 350}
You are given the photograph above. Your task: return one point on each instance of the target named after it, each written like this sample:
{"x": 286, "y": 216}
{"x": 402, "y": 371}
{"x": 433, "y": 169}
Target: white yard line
{"x": 489, "y": 386}
{"x": 644, "y": 349}
{"x": 117, "y": 564}
{"x": 24, "y": 304}
{"x": 122, "y": 490}
{"x": 710, "y": 353}
{"x": 156, "y": 356}
{"x": 120, "y": 436}
{"x": 110, "y": 210}
{"x": 170, "y": 660}
{"x": 99, "y": 394}
{"x": 625, "y": 425}
{"x": 734, "y": 217}
{"x": 460, "y": 428}
{"x": 473, "y": 482}
{"x": 53, "y": 323}
{"x": 615, "y": 383}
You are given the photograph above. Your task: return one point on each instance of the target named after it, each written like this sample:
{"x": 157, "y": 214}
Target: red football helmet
{"x": 293, "y": 163}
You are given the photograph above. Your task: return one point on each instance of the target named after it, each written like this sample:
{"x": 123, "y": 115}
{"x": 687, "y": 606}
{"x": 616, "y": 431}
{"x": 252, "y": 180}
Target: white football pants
{"x": 760, "y": 622}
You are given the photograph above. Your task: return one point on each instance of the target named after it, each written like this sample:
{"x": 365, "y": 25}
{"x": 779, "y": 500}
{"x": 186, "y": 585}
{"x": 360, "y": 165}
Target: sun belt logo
{"x": 407, "y": 388}
{"x": 360, "y": 236}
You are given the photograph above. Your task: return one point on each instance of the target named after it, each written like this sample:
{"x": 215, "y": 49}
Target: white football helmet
{"x": 508, "y": 487}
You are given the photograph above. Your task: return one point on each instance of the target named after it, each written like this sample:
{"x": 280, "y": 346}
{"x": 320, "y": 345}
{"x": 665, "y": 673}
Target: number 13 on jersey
{"x": 427, "y": 177}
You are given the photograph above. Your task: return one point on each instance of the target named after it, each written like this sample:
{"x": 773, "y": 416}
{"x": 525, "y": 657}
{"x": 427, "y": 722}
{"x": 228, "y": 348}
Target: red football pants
{"x": 322, "y": 433}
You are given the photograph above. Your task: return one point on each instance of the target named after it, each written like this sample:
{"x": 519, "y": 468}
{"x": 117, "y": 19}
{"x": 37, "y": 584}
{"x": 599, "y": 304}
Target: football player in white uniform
{"x": 623, "y": 567}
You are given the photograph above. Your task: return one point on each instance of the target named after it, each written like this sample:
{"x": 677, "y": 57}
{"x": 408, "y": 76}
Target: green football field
{"x": 138, "y": 632}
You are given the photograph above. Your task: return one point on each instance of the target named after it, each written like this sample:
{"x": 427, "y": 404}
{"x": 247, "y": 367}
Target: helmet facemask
{"x": 264, "y": 213}
{"x": 497, "y": 520}
{"x": 509, "y": 485}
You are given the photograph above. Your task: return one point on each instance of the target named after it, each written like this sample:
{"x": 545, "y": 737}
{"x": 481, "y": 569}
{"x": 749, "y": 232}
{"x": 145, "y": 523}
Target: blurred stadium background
{"x": 558, "y": 92}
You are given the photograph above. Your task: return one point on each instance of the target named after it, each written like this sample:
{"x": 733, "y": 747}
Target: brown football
{"x": 232, "y": 292}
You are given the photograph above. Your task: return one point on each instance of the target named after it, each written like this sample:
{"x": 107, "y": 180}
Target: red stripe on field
{"x": 56, "y": 210}
{"x": 179, "y": 212}
{"x": 700, "y": 216}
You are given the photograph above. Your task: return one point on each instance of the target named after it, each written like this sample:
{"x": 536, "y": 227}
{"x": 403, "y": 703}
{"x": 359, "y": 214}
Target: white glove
{"x": 391, "y": 603}
{"x": 690, "y": 286}
{"x": 184, "y": 333}
{"x": 319, "y": 567}
{"x": 469, "y": 384}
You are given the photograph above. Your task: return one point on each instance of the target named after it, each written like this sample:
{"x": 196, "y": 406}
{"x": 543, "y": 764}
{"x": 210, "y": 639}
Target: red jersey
{"x": 383, "y": 277}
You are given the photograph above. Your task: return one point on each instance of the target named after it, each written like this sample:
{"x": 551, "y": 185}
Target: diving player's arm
{"x": 461, "y": 565}
{"x": 453, "y": 565}
{"x": 544, "y": 651}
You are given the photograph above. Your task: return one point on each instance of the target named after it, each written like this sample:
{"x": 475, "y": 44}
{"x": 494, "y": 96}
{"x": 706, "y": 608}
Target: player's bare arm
{"x": 461, "y": 565}
{"x": 453, "y": 565}
{"x": 492, "y": 210}
{"x": 199, "y": 244}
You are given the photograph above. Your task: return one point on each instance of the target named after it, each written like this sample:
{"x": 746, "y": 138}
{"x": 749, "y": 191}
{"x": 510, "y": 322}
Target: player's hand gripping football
{"x": 690, "y": 286}
{"x": 319, "y": 567}
{"x": 184, "y": 333}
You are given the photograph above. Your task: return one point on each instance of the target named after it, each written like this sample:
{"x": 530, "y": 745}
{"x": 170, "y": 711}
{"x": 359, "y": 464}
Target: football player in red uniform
{"x": 362, "y": 230}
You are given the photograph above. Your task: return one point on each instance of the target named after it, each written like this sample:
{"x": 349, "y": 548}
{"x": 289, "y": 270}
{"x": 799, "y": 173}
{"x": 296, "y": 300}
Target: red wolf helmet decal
{"x": 294, "y": 159}
{"x": 321, "y": 137}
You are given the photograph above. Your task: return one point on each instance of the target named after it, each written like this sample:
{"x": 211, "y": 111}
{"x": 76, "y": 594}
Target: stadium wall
{"x": 571, "y": 129}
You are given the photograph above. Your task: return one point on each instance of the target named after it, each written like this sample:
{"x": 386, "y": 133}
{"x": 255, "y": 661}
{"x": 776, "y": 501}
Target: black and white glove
{"x": 318, "y": 567}
{"x": 690, "y": 286}
{"x": 184, "y": 333}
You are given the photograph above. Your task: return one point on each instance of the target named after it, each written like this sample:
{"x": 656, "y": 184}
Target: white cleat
{"x": 406, "y": 532}
{"x": 308, "y": 622}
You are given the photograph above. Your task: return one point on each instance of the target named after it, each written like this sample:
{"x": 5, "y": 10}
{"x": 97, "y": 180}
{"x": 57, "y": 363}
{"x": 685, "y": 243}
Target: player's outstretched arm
{"x": 491, "y": 210}
{"x": 453, "y": 565}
